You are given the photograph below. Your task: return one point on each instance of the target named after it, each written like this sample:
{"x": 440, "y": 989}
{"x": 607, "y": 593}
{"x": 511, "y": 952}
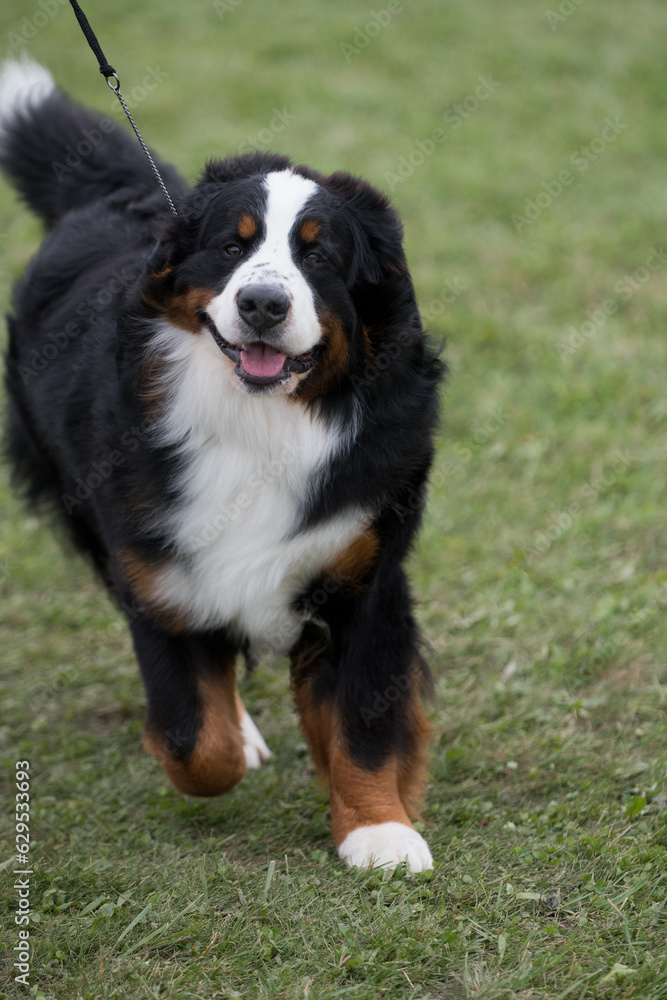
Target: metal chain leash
{"x": 114, "y": 83}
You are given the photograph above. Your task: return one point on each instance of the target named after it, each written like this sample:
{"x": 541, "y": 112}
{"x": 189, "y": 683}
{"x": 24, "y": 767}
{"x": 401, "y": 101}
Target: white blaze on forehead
{"x": 272, "y": 264}
{"x": 287, "y": 196}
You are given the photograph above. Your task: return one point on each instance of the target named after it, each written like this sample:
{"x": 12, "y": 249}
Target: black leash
{"x": 107, "y": 70}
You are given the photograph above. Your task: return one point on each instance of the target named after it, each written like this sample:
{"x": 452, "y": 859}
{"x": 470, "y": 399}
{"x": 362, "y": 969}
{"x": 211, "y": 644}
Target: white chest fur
{"x": 248, "y": 462}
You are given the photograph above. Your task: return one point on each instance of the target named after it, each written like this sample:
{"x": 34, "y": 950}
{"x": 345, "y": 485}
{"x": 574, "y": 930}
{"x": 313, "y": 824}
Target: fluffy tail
{"x": 60, "y": 155}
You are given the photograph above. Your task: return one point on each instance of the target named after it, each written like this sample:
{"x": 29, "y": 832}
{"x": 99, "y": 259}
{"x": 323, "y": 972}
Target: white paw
{"x": 255, "y": 749}
{"x": 386, "y": 845}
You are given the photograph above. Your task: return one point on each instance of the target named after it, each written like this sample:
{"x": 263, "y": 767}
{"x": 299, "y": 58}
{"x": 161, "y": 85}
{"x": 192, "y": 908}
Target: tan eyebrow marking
{"x": 310, "y": 230}
{"x": 247, "y": 227}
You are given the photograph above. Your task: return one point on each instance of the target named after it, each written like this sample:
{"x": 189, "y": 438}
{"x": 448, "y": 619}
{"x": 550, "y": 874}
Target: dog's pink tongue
{"x": 262, "y": 360}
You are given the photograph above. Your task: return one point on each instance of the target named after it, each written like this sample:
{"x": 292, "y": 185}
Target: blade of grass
{"x": 269, "y": 876}
{"x": 134, "y": 923}
{"x": 93, "y": 906}
{"x": 160, "y": 930}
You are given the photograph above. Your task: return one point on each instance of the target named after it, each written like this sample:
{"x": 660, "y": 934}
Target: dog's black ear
{"x": 378, "y": 277}
{"x": 376, "y": 229}
{"x": 180, "y": 235}
{"x": 168, "y": 249}
{"x": 160, "y": 256}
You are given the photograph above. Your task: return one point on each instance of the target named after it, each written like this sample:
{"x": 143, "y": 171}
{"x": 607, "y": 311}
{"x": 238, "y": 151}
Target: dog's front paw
{"x": 255, "y": 749}
{"x": 385, "y": 845}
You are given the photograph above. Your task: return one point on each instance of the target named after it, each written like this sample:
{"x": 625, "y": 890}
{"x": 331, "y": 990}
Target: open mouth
{"x": 260, "y": 364}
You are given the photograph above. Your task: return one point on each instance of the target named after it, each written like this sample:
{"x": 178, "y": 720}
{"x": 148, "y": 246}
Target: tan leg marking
{"x": 359, "y": 797}
{"x": 351, "y": 566}
{"x": 143, "y": 578}
{"x": 217, "y": 762}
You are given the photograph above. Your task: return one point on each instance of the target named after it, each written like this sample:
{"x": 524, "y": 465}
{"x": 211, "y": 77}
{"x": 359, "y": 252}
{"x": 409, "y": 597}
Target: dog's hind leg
{"x": 195, "y": 722}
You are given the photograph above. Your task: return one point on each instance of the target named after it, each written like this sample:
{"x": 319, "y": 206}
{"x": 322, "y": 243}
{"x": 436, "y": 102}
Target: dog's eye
{"x": 233, "y": 250}
{"x": 313, "y": 257}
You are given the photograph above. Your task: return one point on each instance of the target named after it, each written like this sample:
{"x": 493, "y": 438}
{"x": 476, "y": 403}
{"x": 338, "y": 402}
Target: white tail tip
{"x": 23, "y": 84}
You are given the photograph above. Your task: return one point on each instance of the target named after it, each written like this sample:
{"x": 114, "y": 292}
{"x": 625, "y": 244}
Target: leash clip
{"x": 113, "y": 86}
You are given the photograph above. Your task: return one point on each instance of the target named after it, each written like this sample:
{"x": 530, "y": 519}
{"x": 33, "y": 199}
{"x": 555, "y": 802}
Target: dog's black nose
{"x": 262, "y": 306}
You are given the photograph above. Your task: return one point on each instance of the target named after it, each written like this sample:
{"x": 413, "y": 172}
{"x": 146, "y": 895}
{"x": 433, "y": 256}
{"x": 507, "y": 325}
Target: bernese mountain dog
{"x": 233, "y": 410}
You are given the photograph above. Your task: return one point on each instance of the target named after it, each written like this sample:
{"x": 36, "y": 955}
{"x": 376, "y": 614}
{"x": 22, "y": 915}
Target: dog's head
{"x": 298, "y": 279}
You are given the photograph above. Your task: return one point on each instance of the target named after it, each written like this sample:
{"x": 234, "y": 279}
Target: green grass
{"x": 540, "y": 573}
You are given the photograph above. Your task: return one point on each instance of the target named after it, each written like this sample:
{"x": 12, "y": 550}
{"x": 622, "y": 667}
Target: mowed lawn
{"x": 526, "y": 148}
